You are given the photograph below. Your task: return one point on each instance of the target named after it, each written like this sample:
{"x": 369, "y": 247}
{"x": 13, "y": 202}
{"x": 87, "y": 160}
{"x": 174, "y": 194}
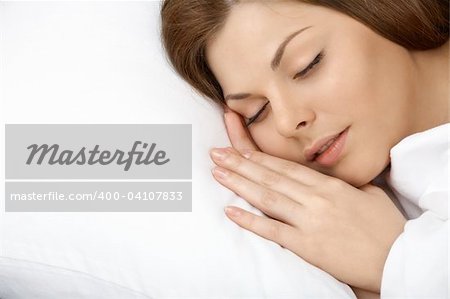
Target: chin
{"x": 359, "y": 170}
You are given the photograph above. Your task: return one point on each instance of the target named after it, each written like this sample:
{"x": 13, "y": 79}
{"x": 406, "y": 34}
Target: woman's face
{"x": 334, "y": 73}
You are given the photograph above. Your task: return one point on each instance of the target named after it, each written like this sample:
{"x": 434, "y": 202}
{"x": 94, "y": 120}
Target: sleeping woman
{"x": 324, "y": 100}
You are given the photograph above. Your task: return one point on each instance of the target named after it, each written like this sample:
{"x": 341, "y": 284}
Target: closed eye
{"x": 301, "y": 74}
{"x": 253, "y": 118}
{"x": 304, "y": 72}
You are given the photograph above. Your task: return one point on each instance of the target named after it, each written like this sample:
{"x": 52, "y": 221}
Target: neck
{"x": 431, "y": 101}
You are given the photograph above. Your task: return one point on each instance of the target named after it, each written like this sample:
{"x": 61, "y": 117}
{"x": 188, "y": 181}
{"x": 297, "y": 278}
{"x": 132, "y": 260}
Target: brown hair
{"x": 187, "y": 25}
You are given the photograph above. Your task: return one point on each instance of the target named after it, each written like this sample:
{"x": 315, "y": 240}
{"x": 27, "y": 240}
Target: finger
{"x": 267, "y": 228}
{"x": 239, "y": 136}
{"x": 267, "y": 178}
{"x": 268, "y": 201}
{"x": 293, "y": 170}
{"x": 242, "y": 141}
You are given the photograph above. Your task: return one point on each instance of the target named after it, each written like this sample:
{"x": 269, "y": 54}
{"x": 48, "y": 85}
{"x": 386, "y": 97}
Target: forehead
{"x": 252, "y": 33}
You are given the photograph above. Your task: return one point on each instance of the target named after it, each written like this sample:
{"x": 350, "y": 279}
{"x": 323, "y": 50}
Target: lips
{"x": 321, "y": 146}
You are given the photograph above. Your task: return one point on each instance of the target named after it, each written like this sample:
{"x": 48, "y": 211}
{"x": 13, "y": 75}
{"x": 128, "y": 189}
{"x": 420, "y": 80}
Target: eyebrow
{"x": 274, "y": 64}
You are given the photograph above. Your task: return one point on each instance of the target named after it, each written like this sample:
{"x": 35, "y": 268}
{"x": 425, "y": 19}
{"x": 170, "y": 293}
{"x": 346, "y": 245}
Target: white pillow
{"x": 101, "y": 62}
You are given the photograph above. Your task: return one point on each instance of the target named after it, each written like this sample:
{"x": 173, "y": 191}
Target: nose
{"x": 291, "y": 116}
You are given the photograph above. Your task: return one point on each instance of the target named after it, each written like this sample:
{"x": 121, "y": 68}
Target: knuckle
{"x": 335, "y": 183}
{"x": 235, "y": 161}
{"x": 256, "y": 157}
{"x": 321, "y": 204}
{"x": 268, "y": 199}
{"x": 294, "y": 215}
{"x": 248, "y": 222}
{"x": 288, "y": 167}
{"x": 316, "y": 224}
{"x": 274, "y": 232}
{"x": 269, "y": 179}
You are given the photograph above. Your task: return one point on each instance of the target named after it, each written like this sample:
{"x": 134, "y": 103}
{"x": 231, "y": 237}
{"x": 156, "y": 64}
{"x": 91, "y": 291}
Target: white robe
{"x": 417, "y": 264}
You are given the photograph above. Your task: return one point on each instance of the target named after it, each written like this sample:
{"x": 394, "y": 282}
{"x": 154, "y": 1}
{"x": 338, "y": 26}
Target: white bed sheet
{"x": 101, "y": 62}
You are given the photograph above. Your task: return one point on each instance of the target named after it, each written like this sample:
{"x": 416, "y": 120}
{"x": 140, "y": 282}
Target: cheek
{"x": 351, "y": 85}
{"x": 350, "y": 74}
{"x": 265, "y": 138}
{"x": 341, "y": 88}
{"x": 270, "y": 142}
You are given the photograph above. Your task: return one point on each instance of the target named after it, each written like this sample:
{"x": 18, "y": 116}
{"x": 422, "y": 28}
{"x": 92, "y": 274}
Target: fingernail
{"x": 220, "y": 172}
{"x": 232, "y": 212}
{"x": 247, "y": 153}
{"x": 219, "y": 153}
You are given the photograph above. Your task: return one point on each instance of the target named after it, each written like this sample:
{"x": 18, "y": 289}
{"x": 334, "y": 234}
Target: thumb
{"x": 239, "y": 136}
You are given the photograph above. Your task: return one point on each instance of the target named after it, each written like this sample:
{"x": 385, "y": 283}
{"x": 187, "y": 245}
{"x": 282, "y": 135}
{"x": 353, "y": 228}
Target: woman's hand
{"x": 341, "y": 229}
